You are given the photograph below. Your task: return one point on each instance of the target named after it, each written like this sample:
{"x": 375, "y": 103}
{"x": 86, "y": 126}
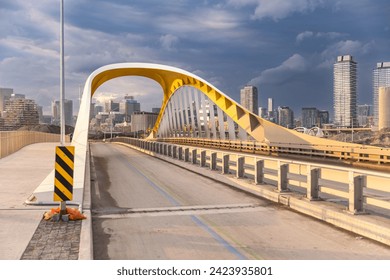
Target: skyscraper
{"x": 345, "y": 91}
{"x": 68, "y": 112}
{"x": 270, "y": 105}
{"x": 249, "y": 99}
{"x": 5, "y": 94}
{"x": 19, "y": 112}
{"x": 285, "y": 117}
{"x": 380, "y": 78}
{"x": 128, "y": 106}
{"x": 364, "y": 115}
{"x": 323, "y": 117}
{"x": 309, "y": 117}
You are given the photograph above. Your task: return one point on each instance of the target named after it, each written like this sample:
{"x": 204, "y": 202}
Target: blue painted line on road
{"x": 157, "y": 188}
{"x": 200, "y": 223}
{"x": 217, "y": 237}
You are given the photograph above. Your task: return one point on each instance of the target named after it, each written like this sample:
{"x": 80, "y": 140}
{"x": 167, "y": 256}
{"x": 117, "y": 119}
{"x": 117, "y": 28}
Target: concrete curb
{"x": 86, "y": 237}
{"x": 373, "y": 227}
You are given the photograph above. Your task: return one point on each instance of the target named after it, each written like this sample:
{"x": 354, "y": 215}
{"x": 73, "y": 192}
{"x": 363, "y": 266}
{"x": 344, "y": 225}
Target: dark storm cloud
{"x": 286, "y": 48}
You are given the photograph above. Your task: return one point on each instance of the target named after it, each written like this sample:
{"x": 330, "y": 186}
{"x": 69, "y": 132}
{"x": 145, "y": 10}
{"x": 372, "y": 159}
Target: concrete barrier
{"x": 12, "y": 141}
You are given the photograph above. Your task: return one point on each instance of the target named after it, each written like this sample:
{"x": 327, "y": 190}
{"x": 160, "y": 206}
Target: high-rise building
{"x": 323, "y": 118}
{"x": 40, "y": 113}
{"x": 309, "y": 117}
{"x": 249, "y": 99}
{"x": 312, "y": 117}
{"x": 270, "y": 105}
{"x": 380, "y": 78}
{"x": 364, "y": 115}
{"x": 345, "y": 91}
{"x": 19, "y": 112}
{"x": 383, "y": 111}
{"x": 285, "y": 117}
{"x": 98, "y": 109}
{"x": 111, "y": 106}
{"x": 92, "y": 111}
{"x": 263, "y": 112}
{"x": 5, "y": 94}
{"x": 128, "y": 106}
{"x": 68, "y": 112}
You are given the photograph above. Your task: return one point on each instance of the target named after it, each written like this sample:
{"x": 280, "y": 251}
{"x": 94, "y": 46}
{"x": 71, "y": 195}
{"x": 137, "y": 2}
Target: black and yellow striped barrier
{"x": 63, "y": 178}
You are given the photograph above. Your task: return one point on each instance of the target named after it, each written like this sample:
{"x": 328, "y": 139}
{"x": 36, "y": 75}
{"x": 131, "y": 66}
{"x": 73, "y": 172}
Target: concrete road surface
{"x": 145, "y": 208}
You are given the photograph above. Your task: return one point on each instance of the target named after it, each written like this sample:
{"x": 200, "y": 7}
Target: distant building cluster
{"x": 17, "y": 111}
{"x": 347, "y": 113}
{"x": 124, "y": 116}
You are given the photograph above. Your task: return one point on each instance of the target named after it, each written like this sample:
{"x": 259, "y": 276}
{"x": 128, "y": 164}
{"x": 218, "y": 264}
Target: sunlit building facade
{"x": 345, "y": 91}
{"x": 249, "y": 99}
{"x": 381, "y": 78}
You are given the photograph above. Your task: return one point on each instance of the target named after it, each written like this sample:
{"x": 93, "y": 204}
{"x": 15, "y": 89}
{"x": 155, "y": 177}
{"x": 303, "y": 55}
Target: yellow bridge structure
{"x": 194, "y": 112}
{"x": 194, "y": 109}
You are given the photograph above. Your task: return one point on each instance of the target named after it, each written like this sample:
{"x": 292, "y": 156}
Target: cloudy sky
{"x": 284, "y": 47}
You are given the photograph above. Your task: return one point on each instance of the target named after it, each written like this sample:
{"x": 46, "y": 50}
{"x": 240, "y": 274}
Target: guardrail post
{"x": 174, "y": 152}
{"x": 313, "y": 176}
{"x": 180, "y": 153}
{"x": 259, "y": 171}
{"x": 240, "y": 167}
{"x": 186, "y": 154}
{"x": 355, "y": 201}
{"x": 282, "y": 177}
{"x": 194, "y": 156}
{"x": 225, "y": 164}
{"x": 213, "y": 161}
{"x": 202, "y": 158}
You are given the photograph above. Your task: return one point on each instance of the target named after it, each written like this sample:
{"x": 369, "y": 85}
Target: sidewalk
{"x": 23, "y": 232}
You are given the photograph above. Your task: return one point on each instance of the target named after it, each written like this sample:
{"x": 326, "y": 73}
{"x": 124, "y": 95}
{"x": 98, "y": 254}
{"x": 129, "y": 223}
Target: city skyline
{"x": 286, "y": 50}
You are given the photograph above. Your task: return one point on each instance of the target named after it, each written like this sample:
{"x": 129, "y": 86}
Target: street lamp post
{"x": 112, "y": 121}
{"x": 62, "y": 75}
{"x": 62, "y": 90}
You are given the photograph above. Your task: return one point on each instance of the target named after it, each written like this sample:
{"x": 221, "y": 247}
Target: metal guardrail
{"x": 12, "y": 141}
{"x": 359, "y": 190}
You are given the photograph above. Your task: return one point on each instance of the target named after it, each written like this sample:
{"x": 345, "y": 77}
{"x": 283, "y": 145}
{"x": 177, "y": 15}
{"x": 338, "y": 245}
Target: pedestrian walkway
{"x": 24, "y": 234}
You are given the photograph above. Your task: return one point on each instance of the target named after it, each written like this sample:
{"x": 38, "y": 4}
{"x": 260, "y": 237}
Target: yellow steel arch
{"x": 171, "y": 79}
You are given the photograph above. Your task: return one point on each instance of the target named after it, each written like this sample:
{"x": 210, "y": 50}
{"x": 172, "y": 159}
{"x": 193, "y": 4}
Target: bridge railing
{"x": 360, "y": 153}
{"x": 358, "y": 190}
{"x": 12, "y": 141}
